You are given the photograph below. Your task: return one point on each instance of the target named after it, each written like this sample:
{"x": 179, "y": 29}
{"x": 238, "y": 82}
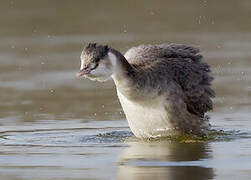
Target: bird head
{"x": 96, "y": 64}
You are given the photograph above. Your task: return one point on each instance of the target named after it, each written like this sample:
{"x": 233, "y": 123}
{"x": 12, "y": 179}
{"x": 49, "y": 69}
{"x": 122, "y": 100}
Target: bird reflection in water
{"x": 164, "y": 160}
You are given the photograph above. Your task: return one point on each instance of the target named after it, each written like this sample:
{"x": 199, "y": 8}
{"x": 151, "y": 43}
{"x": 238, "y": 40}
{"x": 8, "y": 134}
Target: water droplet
{"x": 124, "y": 29}
{"x": 152, "y": 13}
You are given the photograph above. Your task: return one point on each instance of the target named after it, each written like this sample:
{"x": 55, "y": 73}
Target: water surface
{"x": 55, "y": 126}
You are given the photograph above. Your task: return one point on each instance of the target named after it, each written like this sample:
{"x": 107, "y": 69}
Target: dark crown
{"x": 100, "y": 50}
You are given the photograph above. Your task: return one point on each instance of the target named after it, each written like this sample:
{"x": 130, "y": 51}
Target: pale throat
{"x": 116, "y": 69}
{"x": 113, "y": 60}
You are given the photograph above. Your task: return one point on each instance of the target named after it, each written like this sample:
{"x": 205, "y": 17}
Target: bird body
{"x": 163, "y": 89}
{"x": 147, "y": 118}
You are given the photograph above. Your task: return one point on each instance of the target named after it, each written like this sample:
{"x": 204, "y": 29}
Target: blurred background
{"x": 41, "y": 42}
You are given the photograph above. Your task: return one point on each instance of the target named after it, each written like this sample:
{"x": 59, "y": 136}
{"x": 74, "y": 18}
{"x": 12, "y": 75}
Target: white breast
{"x": 146, "y": 119}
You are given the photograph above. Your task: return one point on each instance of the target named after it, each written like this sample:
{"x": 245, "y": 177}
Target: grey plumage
{"x": 158, "y": 65}
{"x": 96, "y": 52}
{"x": 160, "y": 87}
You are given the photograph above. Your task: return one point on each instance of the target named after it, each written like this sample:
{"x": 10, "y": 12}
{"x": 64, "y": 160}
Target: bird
{"x": 164, "y": 89}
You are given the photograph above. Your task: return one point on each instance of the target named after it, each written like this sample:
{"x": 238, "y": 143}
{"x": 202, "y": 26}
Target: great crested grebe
{"x": 163, "y": 89}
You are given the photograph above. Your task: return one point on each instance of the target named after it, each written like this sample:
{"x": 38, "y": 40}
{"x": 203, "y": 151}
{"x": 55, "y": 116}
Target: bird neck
{"x": 119, "y": 62}
{"x": 122, "y": 71}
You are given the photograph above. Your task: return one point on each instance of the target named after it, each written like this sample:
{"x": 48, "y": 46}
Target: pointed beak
{"x": 83, "y": 72}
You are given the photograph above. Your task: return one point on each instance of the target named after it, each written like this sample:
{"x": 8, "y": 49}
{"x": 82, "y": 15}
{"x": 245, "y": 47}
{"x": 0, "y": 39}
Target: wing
{"x": 143, "y": 53}
{"x": 183, "y": 65}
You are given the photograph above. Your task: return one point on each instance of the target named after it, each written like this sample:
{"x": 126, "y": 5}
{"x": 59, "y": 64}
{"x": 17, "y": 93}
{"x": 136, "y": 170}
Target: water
{"x": 55, "y": 126}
